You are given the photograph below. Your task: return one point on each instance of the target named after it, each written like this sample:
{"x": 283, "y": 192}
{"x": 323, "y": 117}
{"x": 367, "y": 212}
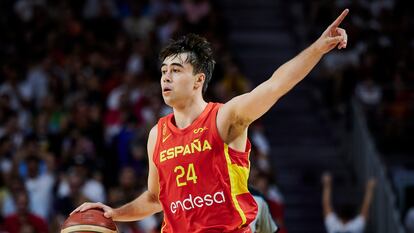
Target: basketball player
{"x": 199, "y": 154}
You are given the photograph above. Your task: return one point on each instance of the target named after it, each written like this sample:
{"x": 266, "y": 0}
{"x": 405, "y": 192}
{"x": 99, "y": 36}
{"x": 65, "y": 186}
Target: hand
{"x": 333, "y": 36}
{"x": 326, "y": 178}
{"x": 108, "y": 211}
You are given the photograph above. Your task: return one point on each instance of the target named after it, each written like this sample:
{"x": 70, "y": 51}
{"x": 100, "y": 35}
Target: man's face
{"x": 178, "y": 83}
{"x": 22, "y": 202}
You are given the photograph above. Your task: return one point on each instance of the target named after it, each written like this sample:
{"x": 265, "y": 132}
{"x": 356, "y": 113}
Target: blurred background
{"x": 79, "y": 91}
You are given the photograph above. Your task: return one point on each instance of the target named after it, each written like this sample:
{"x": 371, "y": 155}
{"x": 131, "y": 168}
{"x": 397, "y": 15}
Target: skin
{"x": 182, "y": 90}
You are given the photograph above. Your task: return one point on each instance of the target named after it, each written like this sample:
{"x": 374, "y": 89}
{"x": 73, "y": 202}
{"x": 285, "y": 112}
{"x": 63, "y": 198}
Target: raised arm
{"x": 144, "y": 205}
{"x": 244, "y": 109}
{"x": 369, "y": 191}
{"x": 326, "y": 194}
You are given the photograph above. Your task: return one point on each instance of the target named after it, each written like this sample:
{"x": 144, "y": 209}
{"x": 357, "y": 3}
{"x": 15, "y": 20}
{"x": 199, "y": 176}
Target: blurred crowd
{"x": 375, "y": 68}
{"x": 79, "y": 91}
{"x": 376, "y": 71}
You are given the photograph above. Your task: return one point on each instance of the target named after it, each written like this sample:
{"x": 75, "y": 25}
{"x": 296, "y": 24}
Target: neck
{"x": 187, "y": 113}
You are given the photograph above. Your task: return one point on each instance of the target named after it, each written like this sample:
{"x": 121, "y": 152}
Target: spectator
{"x": 14, "y": 185}
{"x": 24, "y": 221}
{"x": 5, "y": 156}
{"x": 369, "y": 93}
{"x": 261, "y": 147}
{"x": 65, "y": 203}
{"x": 233, "y": 82}
{"x": 76, "y": 73}
{"x": 344, "y": 221}
{"x": 91, "y": 186}
{"x": 263, "y": 223}
{"x": 128, "y": 190}
{"x": 39, "y": 187}
{"x": 264, "y": 184}
{"x": 4, "y": 192}
{"x": 137, "y": 25}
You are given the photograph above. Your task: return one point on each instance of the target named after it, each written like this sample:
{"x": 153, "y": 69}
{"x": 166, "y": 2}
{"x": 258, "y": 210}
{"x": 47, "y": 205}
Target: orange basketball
{"x": 89, "y": 221}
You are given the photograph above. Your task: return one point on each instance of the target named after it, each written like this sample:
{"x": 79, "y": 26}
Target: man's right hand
{"x": 333, "y": 36}
{"x": 108, "y": 211}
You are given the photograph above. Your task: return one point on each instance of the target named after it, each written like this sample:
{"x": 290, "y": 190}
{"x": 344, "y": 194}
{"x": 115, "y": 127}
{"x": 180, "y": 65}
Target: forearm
{"x": 143, "y": 206}
{"x": 254, "y": 104}
{"x": 295, "y": 70}
{"x": 326, "y": 200}
{"x": 366, "y": 203}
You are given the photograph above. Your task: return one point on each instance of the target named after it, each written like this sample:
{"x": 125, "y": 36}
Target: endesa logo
{"x": 197, "y": 202}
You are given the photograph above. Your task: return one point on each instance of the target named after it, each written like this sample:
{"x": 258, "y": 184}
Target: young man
{"x": 345, "y": 221}
{"x": 198, "y": 156}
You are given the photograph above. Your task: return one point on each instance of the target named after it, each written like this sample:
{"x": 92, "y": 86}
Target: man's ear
{"x": 199, "y": 81}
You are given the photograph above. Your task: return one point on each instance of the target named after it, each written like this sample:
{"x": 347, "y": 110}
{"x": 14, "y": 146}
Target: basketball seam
{"x": 92, "y": 228}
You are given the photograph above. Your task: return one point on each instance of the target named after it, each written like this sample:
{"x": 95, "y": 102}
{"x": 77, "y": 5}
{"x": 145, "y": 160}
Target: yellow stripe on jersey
{"x": 164, "y": 224}
{"x": 238, "y": 182}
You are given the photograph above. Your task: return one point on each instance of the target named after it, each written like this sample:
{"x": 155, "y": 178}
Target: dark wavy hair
{"x": 200, "y": 54}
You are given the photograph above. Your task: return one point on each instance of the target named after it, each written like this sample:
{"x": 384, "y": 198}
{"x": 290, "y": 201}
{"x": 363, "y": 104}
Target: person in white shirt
{"x": 263, "y": 223}
{"x": 345, "y": 223}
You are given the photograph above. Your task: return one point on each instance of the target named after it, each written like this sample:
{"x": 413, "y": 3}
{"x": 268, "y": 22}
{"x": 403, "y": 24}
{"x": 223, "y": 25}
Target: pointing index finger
{"x": 340, "y": 18}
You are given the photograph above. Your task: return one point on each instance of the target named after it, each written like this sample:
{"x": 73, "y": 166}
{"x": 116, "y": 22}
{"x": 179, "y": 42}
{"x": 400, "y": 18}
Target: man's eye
{"x": 163, "y": 71}
{"x": 176, "y": 70}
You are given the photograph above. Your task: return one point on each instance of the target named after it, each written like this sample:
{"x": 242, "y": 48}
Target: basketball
{"x": 89, "y": 221}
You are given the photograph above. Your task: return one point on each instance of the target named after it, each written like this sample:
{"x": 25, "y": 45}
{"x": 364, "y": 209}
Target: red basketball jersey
{"x": 203, "y": 182}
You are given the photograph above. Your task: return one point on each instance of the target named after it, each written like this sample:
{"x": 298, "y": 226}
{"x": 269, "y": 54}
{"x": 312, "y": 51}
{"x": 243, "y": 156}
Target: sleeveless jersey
{"x": 203, "y": 182}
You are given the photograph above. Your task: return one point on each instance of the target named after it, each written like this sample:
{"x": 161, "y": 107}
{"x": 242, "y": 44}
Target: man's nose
{"x": 167, "y": 77}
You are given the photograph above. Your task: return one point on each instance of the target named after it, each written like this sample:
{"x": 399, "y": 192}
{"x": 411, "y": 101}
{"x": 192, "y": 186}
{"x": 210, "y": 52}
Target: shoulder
{"x": 152, "y": 135}
{"x": 153, "y": 132}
